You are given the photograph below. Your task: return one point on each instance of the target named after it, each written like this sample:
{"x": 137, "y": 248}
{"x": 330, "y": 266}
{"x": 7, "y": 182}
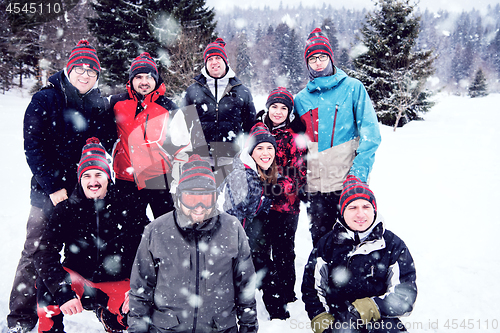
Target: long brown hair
{"x": 270, "y": 175}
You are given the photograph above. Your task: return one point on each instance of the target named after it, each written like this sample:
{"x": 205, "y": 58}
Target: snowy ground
{"x": 436, "y": 183}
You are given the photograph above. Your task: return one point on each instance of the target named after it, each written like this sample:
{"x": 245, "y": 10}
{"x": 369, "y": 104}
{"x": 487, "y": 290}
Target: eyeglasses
{"x": 313, "y": 59}
{"x": 193, "y": 199}
{"x": 90, "y": 72}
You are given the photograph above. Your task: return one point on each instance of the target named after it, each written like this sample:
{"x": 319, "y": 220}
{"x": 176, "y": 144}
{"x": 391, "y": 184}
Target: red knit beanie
{"x": 215, "y": 48}
{"x": 317, "y": 42}
{"x": 83, "y": 54}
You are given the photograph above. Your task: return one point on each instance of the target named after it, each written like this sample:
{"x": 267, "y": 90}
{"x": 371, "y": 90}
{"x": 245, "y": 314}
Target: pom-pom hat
{"x": 93, "y": 157}
{"x": 317, "y": 42}
{"x": 143, "y": 64}
{"x": 216, "y": 48}
{"x": 354, "y": 189}
{"x": 196, "y": 174}
{"x": 280, "y": 95}
{"x": 258, "y": 134}
{"x": 83, "y": 54}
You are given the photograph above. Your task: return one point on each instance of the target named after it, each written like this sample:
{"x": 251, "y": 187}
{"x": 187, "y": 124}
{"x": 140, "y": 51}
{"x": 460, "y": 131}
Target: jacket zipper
{"x": 315, "y": 139}
{"x": 98, "y": 238}
{"x": 197, "y": 269}
{"x": 146, "y": 126}
{"x": 334, "y": 122}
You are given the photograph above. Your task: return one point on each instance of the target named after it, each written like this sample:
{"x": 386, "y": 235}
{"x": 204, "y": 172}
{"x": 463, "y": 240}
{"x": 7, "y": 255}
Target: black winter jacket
{"x": 193, "y": 279}
{"x": 100, "y": 239}
{"x": 341, "y": 270}
{"x": 57, "y": 123}
{"x": 221, "y": 121}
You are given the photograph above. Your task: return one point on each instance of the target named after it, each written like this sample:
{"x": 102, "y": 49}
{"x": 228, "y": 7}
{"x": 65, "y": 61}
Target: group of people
{"x": 224, "y": 185}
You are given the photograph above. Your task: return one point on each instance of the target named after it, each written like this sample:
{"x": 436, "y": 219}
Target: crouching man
{"x": 100, "y": 237}
{"x": 360, "y": 278}
{"x": 193, "y": 271}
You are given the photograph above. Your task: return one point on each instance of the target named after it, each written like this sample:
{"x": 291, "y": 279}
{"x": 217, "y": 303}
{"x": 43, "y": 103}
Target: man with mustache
{"x": 58, "y": 120}
{"x": 100, "y": 234}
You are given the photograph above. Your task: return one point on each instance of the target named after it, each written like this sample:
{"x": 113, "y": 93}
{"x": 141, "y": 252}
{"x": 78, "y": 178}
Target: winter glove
{"x": 322, "y": 322}
{"x": 367, "y": 309}
{"x": 248, "y": 329}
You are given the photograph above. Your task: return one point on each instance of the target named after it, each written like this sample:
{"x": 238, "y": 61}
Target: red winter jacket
{"x": 290, "y": 159}
{"x": 147, "y": 146}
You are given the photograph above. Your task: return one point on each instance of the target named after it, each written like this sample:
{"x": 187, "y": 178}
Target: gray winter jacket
{"x": 199, "y": 279}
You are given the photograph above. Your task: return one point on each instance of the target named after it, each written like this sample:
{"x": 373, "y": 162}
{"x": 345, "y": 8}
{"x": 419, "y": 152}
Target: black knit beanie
{"x": 258, "y": 134}
{"x": 354, "y": 189}
{"x": 83, "y": 54}
{"x": 93, "y": 157}
{"x": 196, "y": 174}
{"x": 143, "y": 64}
{"x": 317, "y": 42}
{"x": 216, "y": 48}
{"x": 280, "y": 95}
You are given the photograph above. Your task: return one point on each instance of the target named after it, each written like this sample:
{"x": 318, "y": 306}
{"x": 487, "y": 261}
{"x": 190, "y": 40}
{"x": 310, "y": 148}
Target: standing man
{"x": 99, "y": 233}
{"x": 193, "y": 270}
{"x": 57, "y": 122}
{"x": 153, "y": 139}
{"x": 224, "y": 107}
{"x": 342, "y": 129}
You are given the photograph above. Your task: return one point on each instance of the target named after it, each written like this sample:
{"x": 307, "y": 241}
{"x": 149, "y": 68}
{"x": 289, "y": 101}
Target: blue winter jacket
{"x": 342, "y": 127}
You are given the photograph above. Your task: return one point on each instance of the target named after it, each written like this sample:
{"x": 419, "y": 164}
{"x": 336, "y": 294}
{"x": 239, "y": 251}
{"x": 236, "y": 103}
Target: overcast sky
{"x": 433, "y": 5}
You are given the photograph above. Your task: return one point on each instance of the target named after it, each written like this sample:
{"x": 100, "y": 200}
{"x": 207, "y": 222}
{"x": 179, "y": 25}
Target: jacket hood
{"x": 326, "y": 82}
{"x": 230, "y": 74}
{"x": 243, "y": 160}
{"x": 197, "y": 231}
{"x": 375, "y": 231}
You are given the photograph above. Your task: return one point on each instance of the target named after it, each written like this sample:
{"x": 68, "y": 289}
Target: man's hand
{"x": 71, "y": 307}
{"x": 58, "y": 196}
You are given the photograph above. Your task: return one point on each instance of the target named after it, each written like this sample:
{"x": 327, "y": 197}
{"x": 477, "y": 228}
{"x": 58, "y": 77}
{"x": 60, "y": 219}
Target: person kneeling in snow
{"x": 360, "y": 277}
{"x": 193, "y": 271}
{"x": 100, "y": 237}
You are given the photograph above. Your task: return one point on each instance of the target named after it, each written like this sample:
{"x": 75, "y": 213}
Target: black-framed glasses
{"x": 313, "y": 59}
{"x": 193, "y": 199}
{"x": 81, "y": 70}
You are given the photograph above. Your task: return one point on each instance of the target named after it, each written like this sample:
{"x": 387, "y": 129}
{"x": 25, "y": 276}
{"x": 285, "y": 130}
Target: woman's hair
{"x": 270, "y": 175}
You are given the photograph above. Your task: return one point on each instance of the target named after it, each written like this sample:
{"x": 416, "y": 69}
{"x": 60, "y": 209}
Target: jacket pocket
{"x": 164, "y": 320}
{"x": 224, "y": 322}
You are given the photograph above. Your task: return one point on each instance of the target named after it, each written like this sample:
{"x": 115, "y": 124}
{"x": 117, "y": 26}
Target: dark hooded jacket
{"x": 99, "y": 237}
{"x": 347, "y": 266}
{"x": 57, "y": 123}
{"x": 192, "y": 279}
{"x": 221, "y": 121}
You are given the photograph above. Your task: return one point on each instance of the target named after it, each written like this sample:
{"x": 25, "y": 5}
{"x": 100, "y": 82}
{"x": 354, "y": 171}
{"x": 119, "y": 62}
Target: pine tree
{"x": 244, "y": 66}
{"x": 125, "y": 28}
{"x": 478, "y": 87}
{"x": 393, "y": 72}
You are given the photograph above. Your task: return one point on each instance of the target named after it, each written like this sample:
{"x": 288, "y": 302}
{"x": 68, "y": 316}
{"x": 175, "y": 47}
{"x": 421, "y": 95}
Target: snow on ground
{"x": 436, "y": 183}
